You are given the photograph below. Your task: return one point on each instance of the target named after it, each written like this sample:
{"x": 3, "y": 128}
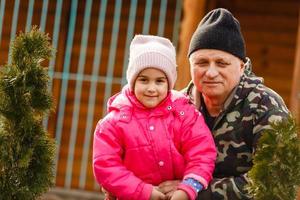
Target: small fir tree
{"x": 26, "y": 150}
{"x": 276, "y": 171}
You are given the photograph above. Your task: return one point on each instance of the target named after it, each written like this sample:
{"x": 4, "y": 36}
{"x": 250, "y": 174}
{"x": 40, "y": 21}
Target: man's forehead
{"x": 210, "y": 53}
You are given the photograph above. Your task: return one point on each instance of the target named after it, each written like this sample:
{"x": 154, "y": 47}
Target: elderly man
{"x": 236, "y": 105}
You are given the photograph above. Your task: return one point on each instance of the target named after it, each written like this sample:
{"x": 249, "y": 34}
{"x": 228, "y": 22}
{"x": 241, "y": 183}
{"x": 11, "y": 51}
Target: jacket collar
{"x": 126, "y": 101}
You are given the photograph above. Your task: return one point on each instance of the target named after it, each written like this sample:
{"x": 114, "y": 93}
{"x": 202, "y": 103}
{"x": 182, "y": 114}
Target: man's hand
{"x": 180, "y": 195}
{"x": 107, "y": 195}
{"x": 168, "y": 187}
{"x": 157, "y": 195}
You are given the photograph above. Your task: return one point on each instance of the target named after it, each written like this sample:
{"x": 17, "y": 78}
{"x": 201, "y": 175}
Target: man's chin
{"x": 211, "y": 94}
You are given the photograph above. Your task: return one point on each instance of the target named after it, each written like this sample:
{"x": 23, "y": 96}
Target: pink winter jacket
{"x": 136, "y": 148}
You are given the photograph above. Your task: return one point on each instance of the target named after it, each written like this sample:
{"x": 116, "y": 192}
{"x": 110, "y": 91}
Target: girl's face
{"x": 151, "y": 87}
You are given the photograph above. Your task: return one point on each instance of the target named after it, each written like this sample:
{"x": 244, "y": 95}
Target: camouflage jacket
{"x": 246, "y": 113}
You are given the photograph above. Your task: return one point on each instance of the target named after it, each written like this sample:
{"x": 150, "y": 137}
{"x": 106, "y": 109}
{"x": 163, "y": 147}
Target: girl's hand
{"x": 157, "y": 195}
{"x": 107, "y": 195}
{"x": 180, "y": 195}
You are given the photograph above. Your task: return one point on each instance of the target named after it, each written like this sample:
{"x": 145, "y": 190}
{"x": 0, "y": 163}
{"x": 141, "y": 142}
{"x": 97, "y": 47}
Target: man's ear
{"x": 243, "y": 66}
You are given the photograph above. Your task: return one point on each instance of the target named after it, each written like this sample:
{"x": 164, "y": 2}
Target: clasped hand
{"x": 165, "y": 191}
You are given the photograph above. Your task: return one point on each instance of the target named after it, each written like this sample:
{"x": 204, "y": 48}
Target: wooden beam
{"x": 295, "y": 94}
{"x": 193, "y": 11}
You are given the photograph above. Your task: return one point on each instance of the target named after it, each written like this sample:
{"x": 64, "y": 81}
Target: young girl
{"x": 151, "y": 133}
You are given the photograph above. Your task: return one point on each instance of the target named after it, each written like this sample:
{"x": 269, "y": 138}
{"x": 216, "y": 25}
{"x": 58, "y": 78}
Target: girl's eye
{"x": 142, "y": 79}
{"x": 161, "y": 81}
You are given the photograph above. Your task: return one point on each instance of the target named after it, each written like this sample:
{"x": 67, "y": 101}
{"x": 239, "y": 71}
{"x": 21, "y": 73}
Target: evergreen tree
{"x": 26, "y": 150}
{"x": 276, "y": 171}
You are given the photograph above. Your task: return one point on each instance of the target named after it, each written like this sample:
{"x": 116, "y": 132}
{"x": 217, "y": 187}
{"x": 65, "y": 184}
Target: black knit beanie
{"x": 219, "y": 30}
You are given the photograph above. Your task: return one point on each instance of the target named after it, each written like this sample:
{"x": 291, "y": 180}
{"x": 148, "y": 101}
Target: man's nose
{"x": 212, "y": 71}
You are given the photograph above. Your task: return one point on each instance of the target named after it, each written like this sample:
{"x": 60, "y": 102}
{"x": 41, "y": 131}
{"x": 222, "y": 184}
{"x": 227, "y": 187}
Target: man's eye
{"x": 201, "y": 63}
{"x": 222, "y": 63}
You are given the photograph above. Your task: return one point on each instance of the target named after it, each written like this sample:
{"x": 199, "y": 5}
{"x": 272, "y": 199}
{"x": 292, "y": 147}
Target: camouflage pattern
{"x": 248, "y": 112}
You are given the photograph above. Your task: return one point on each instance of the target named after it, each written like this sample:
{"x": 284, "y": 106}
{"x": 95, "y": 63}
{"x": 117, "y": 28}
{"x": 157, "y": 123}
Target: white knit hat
{"x": 151, "y": 51}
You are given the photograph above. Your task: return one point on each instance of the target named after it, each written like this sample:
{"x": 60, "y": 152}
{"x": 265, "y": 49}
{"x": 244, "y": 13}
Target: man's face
{"x": 215, "y": 73}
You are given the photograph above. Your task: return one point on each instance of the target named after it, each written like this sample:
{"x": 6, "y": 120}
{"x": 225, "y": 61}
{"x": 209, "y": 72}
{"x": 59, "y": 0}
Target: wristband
{"x": 193, "y": 183}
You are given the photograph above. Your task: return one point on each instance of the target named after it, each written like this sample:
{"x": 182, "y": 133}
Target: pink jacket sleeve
{"x": 198, "y": 148}
{"x": 109, "y": 170}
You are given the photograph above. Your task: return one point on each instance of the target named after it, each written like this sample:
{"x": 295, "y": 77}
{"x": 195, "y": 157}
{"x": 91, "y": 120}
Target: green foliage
{"x": 276, "y": 171}
{"x": 26, "y": 150}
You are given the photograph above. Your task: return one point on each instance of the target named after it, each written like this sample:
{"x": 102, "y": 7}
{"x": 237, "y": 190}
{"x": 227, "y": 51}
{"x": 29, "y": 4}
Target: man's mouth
{"x": 211, "y": 82}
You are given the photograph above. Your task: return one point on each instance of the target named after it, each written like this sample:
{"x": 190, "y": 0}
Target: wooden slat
{"x": 193, "y": 11}
{"x": 295, "y": 94}
{"x": 276, "y": 23}
{"x": 287, "y": 7}
{"x": 271, "y": 52}
{"x": 268, "y": 36}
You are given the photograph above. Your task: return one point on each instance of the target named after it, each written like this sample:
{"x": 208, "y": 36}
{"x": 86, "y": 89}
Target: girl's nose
{"x": 151, "y": 87}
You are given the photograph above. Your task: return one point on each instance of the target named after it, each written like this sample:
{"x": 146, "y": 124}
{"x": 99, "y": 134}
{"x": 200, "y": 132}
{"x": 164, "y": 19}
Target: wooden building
{"x": 91, "y": 38}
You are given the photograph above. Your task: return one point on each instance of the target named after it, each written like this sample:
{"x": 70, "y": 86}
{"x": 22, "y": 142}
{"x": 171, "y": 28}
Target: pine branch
{"x": 276, "y": 171}
{"x": 26, "y": 150}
